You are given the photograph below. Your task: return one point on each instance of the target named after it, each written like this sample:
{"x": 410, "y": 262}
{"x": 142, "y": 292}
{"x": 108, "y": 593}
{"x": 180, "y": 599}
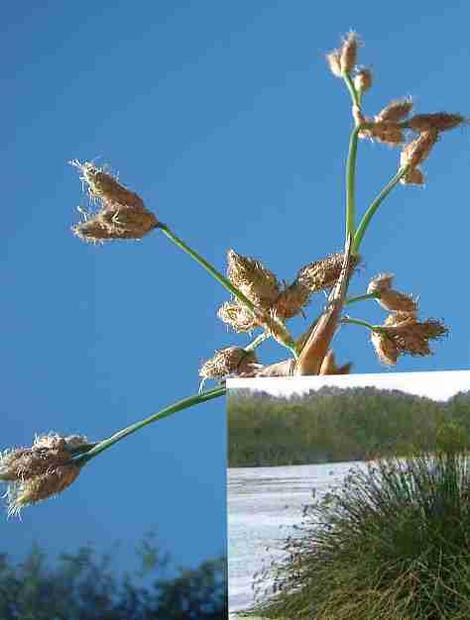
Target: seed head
{"x": 388, "y": 298}
{"x": 41, "y": 471}
{"x": 253, "y": 279}
{"x": 387, "y": 132}
{"x": 395, "y": 111}
{"x": 330, "y": 367}
{"x": 122, "y": 213}
{"x": 323, "y": 274}
{"x": 402, "y": 333}
{"x": 229, "y": 361}
{"x": 348, "y": 53}
{"x": 418, "y": 150}
{"x": 363, "y": 80}
{"x": 291, "y": 300}
{"x": 334, "y": 62}
{"x": 238, "y": 316}
{"x": 440, "y": 121}
{"x": 413, "y": 176}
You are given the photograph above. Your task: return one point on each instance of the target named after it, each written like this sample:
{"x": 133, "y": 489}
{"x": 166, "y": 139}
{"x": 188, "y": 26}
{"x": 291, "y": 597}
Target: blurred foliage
{"x": 86, "y": 585}
{"x": 335, "y": 424}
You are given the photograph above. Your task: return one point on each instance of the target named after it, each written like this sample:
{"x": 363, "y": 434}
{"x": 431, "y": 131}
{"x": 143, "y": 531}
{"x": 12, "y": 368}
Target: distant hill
{"x": 334, "y": 424}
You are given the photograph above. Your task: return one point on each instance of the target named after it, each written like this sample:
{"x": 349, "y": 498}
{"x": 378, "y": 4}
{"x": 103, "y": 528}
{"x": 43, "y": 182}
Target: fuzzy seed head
{"x": 440, "y": 121}
{"x": 291, "y": 300}
{"x": 334, "y": 62}
{"x": 323, "y": 274}
{"x": 388, "y": 298}
{"x": 253, "y": 279}
{"x": 418, "y": 150}
{"x": 41, "y": 471}
{"x": 412, "y": 336}
{"x": 385, "y": 349}
{"x": 229, "y": 361}
{"x": 348, "y": 53}
{"x": 395, "y": 111}
{"x": 413, "y": 176}
{"x": 122, "y": 213}
{"x": 238, "y": 316}
{"x": 363, "y": 80}
{"x": 387, "y": 132}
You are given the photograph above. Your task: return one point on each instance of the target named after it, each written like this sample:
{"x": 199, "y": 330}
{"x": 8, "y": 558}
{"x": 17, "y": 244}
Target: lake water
{"x": 264, "y": 505}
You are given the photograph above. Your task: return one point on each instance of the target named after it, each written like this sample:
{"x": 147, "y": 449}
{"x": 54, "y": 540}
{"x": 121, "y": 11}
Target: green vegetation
{"x": 84, "y": 586}
{"x": 334, "y": 424}
{"x": 391, "y": 543}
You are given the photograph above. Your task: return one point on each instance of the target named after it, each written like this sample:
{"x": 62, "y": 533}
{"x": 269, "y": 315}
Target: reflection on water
{"x": 264, "y": 505}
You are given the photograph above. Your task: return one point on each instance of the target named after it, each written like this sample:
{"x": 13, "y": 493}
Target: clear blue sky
{"x": 224, "y": 117}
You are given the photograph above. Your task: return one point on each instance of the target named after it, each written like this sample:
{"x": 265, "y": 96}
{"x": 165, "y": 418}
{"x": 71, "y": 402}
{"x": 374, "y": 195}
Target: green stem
{"x": 371, "y": 211}
{"x": 351, "y": 182}
{"x": 254, "y": 344}
{"x": 225, "y": 282}
{"x": 365, "y": 297}
{"x": 352, "y": 89}
{"x": 361, "y": 322}
{"x": 163, "y": 413}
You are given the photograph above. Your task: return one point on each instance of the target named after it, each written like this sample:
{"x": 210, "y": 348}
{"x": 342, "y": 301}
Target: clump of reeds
{"x": 391, "y": 543}
{"x": 263, "y": 303}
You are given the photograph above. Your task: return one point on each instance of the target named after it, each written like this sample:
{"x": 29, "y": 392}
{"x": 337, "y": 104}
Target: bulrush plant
{"x": 258, "y": 299}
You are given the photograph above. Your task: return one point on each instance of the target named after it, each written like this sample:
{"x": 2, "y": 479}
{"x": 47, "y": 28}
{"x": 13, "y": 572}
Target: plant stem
{"x": 196, "y": 399}
{"x": 365, "y": 297}
{"x": 352, "y": 89}
{"x": 225, "y": 282}
{"x": 361, "y": 322}
{"x": 371, "y": 211}
{"x": 351, "y": 162}
{"x": 254, "y": 344}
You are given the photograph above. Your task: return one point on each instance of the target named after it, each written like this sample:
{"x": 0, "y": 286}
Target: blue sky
{"x": 225, "y": 119}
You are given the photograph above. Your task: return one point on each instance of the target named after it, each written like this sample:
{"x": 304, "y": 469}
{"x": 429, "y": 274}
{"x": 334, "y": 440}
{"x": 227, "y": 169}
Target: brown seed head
{"x": 322, "y": 274}
{"x": 413, "y": 176}
{"x": 440, "y": 121}
{"x": 385, "y": 348}
{"x": 363, "y": 80}
{"x": 122, "y": 213}
{"x": 40, "y": 471}
{"x": 291, "y": 300}
{"x": 348, "y": 53}
{"x": 418, "y": 150}
{"x": 390, "y": 299}
{"x": 334, "y": 62}
{"x": 236, "y": 315}
{"x": 412, "y": 336}
{"x": 229, "y": 361}
{"x": 387, "y": 132}
{"x": 395, "y": 111}
{"x": 253, "y": 279}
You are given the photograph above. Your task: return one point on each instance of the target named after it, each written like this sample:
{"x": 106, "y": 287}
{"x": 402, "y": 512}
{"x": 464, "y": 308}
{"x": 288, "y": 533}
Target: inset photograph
{"x": 349, "y": 496}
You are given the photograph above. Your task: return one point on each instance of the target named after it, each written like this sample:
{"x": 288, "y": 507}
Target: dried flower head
{"x": 122, "y": 213}
{"x": 363, "y": 80}
{"x": 403, "y": 333}
{"x": 413, "y": 176}
{"x": 323, "y": 274}
{"x": 388, "y": 298}
{"x": 238, "y": 316}
{"x": 348, "y": 52}
{"x": 334, "y": 62}
{"x": 253, "y": 279}
{"x": 387, "y": 132}
{"x": 291, "y": 300}
{"x": 41, "y": 471}
{"x": 395, "y": 111}
{"x": 418, "y": 149}
{"x": 440, "y": 121}
{"x": 229, "y": 361}
{"x": 330, "y": 367}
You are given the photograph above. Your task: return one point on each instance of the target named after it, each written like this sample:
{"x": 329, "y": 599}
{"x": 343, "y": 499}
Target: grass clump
{"x": 392, "y": 542}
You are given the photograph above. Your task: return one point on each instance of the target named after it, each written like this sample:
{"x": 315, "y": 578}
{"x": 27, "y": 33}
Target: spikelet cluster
{"x": 41, "y": 471}
{"x": 253, "y": 279}
{"x": 389, "y": 298}
{"x": 323, "y": 274}
{"x": 237, "y": 316}
{"x": 402, "y": 333}
{"x": 229, "y": 361}
{"x": 122, "y": 213}
{"x": 363, "y": 80}
{"x": 343, "y": 60}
